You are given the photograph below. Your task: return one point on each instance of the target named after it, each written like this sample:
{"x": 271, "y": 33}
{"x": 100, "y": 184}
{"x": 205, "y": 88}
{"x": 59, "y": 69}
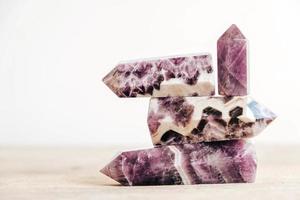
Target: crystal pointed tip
{"x": 261, "y": 112}
{"x": 233, "y": 32}
{"x": 104, "y": 78}
{"x": 110, "y": 82}
{"x": 273, "y": 116}
{"x": 233, "y": 27}
{"x": 105, "y": 171}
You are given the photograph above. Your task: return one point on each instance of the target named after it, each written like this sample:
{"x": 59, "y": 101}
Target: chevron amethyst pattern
{"x": 178, "y": 120}
{"x": 203, "y": 163}
{"x": 172, "y": 76}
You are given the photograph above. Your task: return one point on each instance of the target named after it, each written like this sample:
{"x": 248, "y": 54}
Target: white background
{"x": 53, "y": 55}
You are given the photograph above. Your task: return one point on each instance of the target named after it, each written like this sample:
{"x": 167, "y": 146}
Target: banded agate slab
{"x": 178, "y": 120}
{"x": 190, "y": 75}
{"x": 214, "y": 162}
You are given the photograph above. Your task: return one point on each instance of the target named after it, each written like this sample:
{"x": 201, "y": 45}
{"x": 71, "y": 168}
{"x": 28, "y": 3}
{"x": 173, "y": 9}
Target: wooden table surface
{"x": 72, "y": 173}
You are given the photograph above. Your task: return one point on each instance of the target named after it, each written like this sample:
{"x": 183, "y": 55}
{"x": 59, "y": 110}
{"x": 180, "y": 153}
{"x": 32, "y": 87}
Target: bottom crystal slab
{"x": 203, "y": 163}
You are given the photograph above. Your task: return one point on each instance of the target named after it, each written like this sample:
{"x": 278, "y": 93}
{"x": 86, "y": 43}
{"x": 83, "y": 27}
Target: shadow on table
{"x": 97, "y": 181}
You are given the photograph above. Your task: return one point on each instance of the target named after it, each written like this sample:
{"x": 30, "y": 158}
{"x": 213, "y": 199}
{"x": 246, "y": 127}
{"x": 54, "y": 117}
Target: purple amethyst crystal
{"x": 215, "y": 162}
{"x": 178, "y": 120}
{"x": 178, "y": 109}
{"x": 173, "y": 76}
{"x": 232, "y": 63}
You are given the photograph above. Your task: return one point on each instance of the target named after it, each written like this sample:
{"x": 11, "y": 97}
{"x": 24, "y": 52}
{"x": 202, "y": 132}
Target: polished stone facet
{"x": 232, "y": 63}
{"x": 179, "y": 120}
{"x": 173, "y": 76}
{"x": 215, "y": 162}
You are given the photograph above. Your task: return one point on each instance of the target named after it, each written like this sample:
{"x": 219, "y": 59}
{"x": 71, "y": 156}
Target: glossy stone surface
{"x": 232, "y": 63}
{"x": 173, "y": 76}
{"x": 215, "y": 162}
{"x": 178, "y": 120}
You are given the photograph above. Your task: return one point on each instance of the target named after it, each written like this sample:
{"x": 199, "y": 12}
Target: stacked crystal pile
{"x": 198, "y": 137}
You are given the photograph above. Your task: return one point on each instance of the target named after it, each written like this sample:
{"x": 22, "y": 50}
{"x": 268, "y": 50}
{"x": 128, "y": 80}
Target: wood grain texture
{"x": 73, "y": 173}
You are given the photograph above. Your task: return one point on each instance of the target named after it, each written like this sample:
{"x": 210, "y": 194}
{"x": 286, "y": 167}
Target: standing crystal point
{"x": 215, "y": 162}
{"x": 173, "y": 76}
{"x": 232, "y": 63}
{"x": 179, "y": 120}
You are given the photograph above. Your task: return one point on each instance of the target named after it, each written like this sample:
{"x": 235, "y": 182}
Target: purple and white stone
{"x": 179, "y": 120}
{"x": 172, "y": 76}
{"x": 214, "y": 162}
{"x": 232, "y": 63}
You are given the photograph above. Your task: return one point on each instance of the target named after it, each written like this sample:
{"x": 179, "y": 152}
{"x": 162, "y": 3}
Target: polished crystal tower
{"x": 188, "y": 75}
{"x": 215, "y": 162}
{"x": 232, "y": 63}
{"x": 178, "y": 120}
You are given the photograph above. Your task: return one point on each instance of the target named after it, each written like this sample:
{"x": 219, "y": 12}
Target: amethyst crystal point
{"x": 178, "y": 120}
{"x": 173, "y": 76}
{"x": 215, "y": 162}
{"x": 232, "y": 63}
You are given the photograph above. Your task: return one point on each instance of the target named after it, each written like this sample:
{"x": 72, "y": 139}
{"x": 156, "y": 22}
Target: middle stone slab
{"x": 179, "y": 120}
